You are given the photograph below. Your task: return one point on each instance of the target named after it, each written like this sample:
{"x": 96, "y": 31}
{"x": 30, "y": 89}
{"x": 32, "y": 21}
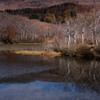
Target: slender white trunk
{"x": 69, "y": 40}
{"x": 95, "y": 38}
{"x": 75, "y": 38}
{"x": 82, "y": 38}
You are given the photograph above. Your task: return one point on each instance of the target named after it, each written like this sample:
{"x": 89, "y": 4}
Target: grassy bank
{"x": 82, "y": 51}
{"x": 44, "y": 53}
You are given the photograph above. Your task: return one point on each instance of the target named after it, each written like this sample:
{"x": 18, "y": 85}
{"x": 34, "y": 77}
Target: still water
{"x": 41, "y": 78}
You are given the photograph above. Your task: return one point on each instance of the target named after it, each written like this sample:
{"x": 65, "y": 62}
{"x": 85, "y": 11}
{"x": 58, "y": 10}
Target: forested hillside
{"x": 14, "y": 28}
{"x": 19, "y": 4}
{"x": 53, "y": 14}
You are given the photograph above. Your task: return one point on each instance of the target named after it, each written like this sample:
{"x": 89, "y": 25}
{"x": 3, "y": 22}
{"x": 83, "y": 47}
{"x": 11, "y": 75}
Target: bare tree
{"x": 92, "y": 20}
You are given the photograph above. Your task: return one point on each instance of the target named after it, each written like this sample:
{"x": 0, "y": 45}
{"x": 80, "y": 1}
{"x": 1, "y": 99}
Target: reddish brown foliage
{"x": 11, "y": 30}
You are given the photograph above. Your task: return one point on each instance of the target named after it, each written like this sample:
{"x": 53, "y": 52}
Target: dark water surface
{"x": 42, "y": 78}
{"x": 30, "y": 47}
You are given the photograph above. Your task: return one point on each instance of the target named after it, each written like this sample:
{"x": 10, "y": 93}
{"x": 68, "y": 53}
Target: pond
{"x": 34, "y": 77}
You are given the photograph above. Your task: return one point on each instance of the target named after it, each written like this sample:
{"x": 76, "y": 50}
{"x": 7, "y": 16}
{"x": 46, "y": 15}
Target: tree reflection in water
{"x": 83, "y": 74}
{"x": 71, "y": 74}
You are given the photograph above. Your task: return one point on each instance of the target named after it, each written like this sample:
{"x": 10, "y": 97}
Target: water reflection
{"x": 12, "y": 64}
{"x": 37, "y": 77}
{"x": 43, "y": 91}
{"x": 29, "y": 47}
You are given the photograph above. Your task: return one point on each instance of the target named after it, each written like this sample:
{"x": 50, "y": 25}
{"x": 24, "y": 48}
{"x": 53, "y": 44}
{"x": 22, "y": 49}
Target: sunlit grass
{"x": 44, "y": 53}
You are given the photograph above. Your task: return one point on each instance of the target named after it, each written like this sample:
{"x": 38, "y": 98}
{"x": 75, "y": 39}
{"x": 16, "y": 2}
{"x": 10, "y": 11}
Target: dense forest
{"x": 52, "y": 14}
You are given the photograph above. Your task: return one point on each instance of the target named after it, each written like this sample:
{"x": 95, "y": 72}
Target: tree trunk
{"x": 75, "y": 38}
{"x": 95, "y": 38}
{"x": 69, "y": 40}
{"x": 82, "y": 38}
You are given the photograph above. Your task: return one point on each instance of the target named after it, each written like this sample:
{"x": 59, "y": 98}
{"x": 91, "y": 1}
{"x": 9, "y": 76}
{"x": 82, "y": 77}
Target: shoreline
{"x": 43, "y": 53}
{"x": 79, "y": 51}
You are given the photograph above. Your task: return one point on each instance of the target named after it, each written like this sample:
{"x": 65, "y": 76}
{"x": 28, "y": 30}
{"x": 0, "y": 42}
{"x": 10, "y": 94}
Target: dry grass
{"x": 44, "y": 53}
{"x": 26, "y": 43}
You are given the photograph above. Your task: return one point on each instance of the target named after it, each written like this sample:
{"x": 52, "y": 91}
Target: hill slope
{"x": 18, "y": 4}
{"x": 22, "y": 29}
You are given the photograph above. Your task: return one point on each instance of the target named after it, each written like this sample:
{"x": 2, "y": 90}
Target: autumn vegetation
{"x": 53, "y": 14}
{"x": 74, "y": 29}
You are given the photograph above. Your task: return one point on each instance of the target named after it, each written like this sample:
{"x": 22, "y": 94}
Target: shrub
{"x": 34, "y": 16}
{"x": 68, "y": 52}
{"x": 7, "y": 40}
{"x": 97, "y": 50}
{"x": 83, "y": 51}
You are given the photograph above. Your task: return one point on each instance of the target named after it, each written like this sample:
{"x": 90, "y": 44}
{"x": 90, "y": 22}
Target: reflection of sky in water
{"x": 44, "y": 91}
{"x": 19, "y": 68}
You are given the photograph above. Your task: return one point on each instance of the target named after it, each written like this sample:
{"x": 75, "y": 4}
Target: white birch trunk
{"x": 69, "y": 40}
{"x": 82, "y": 38}
{"x": 75, "y": 38}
